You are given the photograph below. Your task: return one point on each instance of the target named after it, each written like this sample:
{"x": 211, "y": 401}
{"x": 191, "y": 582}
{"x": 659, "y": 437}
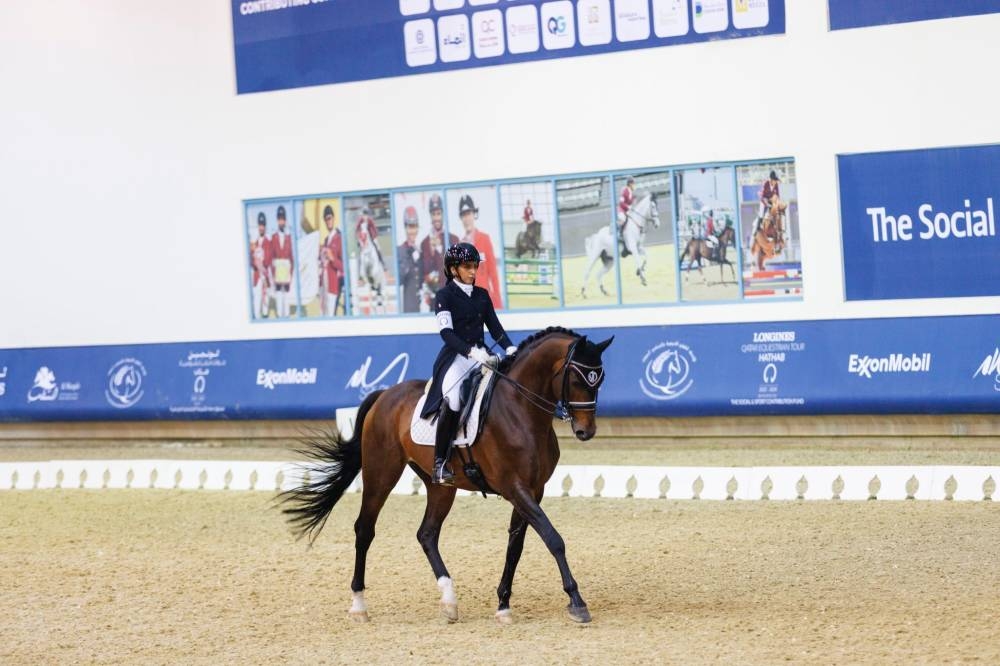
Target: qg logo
{"x": 556, "y": 25}
{"x": 667, "y": 370}
{"x": 990, "y": 366}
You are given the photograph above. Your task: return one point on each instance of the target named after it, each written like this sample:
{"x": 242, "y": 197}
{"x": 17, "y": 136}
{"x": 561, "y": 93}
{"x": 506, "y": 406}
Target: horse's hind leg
{"x": 439, "y": 503}
{"x": 378, "y": 482}
{"x": 515, "y": 545}
{"x": 525, "y": 504}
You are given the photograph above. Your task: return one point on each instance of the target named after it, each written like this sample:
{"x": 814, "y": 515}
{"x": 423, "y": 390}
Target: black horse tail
{"x": 339, "y": 463}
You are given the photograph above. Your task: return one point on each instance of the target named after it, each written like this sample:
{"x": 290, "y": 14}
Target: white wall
{"x": 126, "y": 152}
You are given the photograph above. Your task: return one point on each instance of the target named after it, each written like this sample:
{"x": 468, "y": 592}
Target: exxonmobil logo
{"x": 867, "y": 366}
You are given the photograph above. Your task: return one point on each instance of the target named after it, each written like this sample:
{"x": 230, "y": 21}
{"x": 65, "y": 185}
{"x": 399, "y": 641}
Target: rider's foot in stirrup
{"x": 442, "y": 475}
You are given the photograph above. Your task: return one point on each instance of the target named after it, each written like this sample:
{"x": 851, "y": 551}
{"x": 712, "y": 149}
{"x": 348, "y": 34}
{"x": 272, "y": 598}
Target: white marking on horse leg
{"x": 359, "y": 609}
{"x": 505, "y": 616}
{"x": 449, "y": 602}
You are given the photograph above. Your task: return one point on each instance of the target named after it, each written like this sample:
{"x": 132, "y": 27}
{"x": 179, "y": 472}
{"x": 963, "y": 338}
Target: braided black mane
{"x": 530, "y": 340}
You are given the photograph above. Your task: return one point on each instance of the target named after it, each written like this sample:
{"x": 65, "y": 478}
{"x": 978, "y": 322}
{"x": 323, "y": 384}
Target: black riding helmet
{"x": 459, "y": 253}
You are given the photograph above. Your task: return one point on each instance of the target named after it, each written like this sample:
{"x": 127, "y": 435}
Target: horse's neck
{"x": 539, "y": 365}
{"x": 641, "y": 208}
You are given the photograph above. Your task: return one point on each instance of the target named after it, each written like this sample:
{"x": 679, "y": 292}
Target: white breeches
{"x": 764, "y": 208}
{"x": 331, "y": 301}
{"x": 258, "y": 290}
{"x": 453, "y": 378}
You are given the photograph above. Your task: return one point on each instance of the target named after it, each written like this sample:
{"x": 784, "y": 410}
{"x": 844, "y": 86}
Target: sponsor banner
{"x": 862, "y": 13}
{"x": 292, "y": 43}
{"x": 919, "y": 365}
{"x": 920, "y": 223}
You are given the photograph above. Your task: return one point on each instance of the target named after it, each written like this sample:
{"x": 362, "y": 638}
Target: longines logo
{"x": 667, "y": 370}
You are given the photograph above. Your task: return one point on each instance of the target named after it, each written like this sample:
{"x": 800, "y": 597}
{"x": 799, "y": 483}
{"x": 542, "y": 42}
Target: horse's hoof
{"x": 505, "y": 616}
{"x": 450, "y": 612}
{"x": 359, "y": 616}
{"x": 578, "y": 614}
{"x": 604, "y": 291}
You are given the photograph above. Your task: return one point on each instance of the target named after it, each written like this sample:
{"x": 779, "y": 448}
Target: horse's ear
{"x": 601, "y": 346}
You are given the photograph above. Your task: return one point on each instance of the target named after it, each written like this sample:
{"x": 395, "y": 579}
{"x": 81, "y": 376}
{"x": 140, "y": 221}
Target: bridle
{"x": 592, "y": 376}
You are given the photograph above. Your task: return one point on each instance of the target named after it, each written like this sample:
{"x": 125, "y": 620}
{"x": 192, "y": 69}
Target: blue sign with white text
{"x": 862, "y": 13}
{"x": 906, "y": 365}
{"x": 292, "y": 43}
{"x": 921, "y": 223}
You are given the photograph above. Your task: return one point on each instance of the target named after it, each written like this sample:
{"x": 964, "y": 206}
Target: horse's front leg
{"x": 524, "y": 502}
{"x": 639, "y": 254}
{"x": 586, "y": 277}
{"x": 515, "y": 545}
{"x": 439, "y": 502}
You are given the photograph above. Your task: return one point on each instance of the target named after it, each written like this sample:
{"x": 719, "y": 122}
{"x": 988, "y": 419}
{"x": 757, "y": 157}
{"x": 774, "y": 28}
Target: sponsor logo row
{"x": 558, "y": 25}
{"x": 669, "y": 367}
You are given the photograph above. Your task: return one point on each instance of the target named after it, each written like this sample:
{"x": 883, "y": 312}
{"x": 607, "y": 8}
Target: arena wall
{"x": 129, "y": 154}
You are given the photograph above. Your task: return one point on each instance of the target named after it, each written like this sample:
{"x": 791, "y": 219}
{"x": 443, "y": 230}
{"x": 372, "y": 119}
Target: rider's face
{"x": 465, "y": 272}
{"x": 437, "y": 219}
{"x": 329, "y": 222}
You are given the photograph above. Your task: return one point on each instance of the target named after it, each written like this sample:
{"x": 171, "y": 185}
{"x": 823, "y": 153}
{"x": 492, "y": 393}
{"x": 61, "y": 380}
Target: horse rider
{"x": 529, "y": 214}
{"x": 462, "y": 309}
{"x": 625, "y": 201}
{"x": 770, "y": 196}
{"x": 366, "y": 227}
{"x": 710, "y": 234}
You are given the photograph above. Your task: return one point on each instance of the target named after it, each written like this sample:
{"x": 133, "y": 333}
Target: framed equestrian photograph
{"x": 272, "y": 260}
{"x": 708, "y": 246}
{"x": 769, "y": 228}
{"x": 529, "y": 244}
{"x": 587, "y": 241}
{"x": 418, "y": 219}
{"x": 645, "y": 245}
{"x": 371, "y": 255}
{"x": 323, "y": 272}
{"x": 473, "y": 216}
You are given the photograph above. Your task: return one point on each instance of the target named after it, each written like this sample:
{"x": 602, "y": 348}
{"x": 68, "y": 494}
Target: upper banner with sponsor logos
{"x": 932, "y": 364}
{"x": 920, "y": 223}
{"x": 861, "y": 13}
{"x": 292, "y": 43}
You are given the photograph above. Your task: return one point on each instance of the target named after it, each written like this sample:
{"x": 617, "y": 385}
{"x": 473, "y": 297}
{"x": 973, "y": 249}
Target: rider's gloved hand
{"x": 510, "y": 351}
{"x": 482, "y": 356}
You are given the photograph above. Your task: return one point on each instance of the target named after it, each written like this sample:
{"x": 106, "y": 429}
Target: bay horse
{"x": 553, "y": 372}
{"x": 699, "y": 248}
{"x": 529, "y": 240}
{"x": 769, "y": 236}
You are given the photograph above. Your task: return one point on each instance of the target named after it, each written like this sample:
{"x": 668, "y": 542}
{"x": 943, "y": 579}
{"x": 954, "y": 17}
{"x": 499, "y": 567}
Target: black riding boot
{"x": 621, "y": 240}
{"x": 447, "y": 420}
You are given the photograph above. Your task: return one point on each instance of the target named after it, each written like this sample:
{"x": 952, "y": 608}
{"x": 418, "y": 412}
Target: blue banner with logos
{"x": 906, "y": 365}
{"x": 921, "y": 223}
{"x": 292, "y": 43}
{"x": 862, "y": 13}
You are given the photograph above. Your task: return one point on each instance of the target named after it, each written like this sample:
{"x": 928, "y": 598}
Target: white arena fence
{"x": 645, "y": 482}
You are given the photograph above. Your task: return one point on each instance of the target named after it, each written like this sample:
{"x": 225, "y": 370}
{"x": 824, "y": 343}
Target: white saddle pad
{"x": 422, "y": 431}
